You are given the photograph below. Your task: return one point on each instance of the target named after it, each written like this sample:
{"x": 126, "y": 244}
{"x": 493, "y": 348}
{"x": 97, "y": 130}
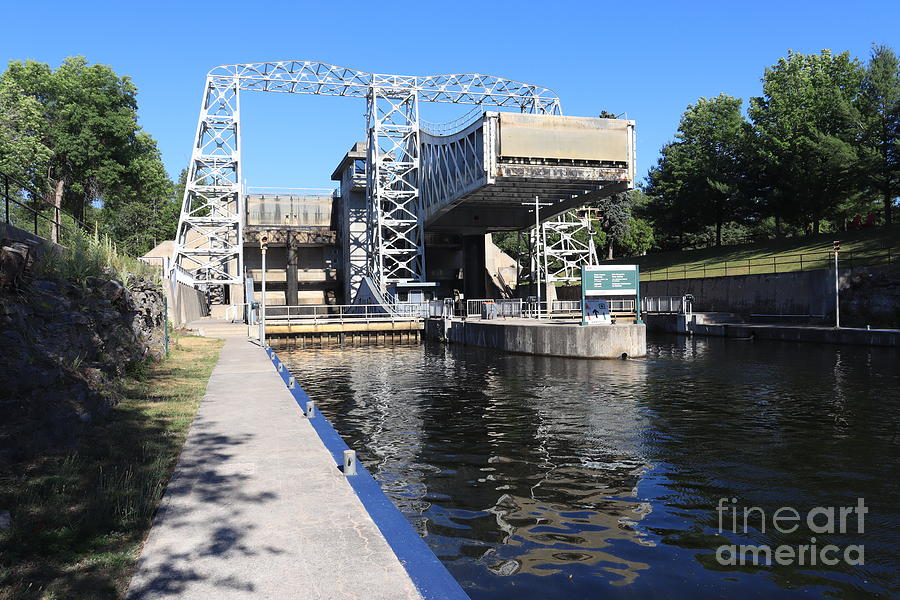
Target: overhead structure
{"x": 209, "y": 239}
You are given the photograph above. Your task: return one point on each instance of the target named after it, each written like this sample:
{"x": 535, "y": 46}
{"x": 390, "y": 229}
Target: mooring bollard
{"x": 291, "y": 382}
{"x": 349, "y": 462}
{"x": 280, "y": 366}
{"x": 311, "y": 409}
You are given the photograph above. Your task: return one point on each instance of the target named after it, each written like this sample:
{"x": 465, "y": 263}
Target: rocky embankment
{"x": 64, "y": 347}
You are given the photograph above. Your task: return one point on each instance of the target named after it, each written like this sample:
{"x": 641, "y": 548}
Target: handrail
{"x": 454, "y": 126}
{"x": 779, "y": 263}
{"x": 340, "y": 313}
{"x": 7, "y": 185}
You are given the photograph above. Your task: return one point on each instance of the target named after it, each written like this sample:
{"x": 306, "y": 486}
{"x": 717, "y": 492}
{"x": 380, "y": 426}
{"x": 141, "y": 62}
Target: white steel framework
{"x": 567, "y": 243}
{"x": 209, "y": 241}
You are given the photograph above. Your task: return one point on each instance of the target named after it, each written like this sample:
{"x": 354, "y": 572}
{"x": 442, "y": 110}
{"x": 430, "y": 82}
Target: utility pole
{"x": 263, "y": 246}
{"x": 837, "y": 286}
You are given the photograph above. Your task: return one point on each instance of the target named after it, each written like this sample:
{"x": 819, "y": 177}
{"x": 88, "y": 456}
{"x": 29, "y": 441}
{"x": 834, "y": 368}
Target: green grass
{"x": 79, "y": 518}
{"x": 858, "y": 248}
{"x": 85, "y": 255}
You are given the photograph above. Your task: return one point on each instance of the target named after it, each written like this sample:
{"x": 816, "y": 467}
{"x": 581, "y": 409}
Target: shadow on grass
{"x": 78, "y": 519}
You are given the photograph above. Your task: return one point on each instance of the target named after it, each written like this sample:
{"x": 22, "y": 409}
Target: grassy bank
{"x": 78, "y": 519}
{"x": 858, "y": 248}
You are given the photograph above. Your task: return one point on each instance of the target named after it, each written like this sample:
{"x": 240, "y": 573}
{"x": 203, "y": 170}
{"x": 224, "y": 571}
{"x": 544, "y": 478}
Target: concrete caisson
{"x": 545, "y": 338}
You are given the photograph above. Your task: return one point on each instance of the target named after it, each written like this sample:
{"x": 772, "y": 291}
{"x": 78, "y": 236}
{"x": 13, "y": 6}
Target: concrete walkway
{"x": 257, "y": 508}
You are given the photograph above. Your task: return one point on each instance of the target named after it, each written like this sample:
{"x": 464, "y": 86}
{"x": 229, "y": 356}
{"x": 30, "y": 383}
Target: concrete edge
{"x": 427, "y": 572}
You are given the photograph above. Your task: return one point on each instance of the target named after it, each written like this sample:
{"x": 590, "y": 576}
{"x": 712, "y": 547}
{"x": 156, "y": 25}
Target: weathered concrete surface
{"x": 546, "y": 338}
{"x": 257, "y": 507}
{"x": 801, "y": 333}
{"x": 869, "y": 295}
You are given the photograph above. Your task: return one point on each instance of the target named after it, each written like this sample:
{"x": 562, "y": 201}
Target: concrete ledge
{"x": 526, "y": 336}
{"x": 798, "y": 333}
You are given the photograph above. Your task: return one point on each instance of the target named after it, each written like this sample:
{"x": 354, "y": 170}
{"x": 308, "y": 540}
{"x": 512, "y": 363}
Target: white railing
{"x": 681, "y": 305}
{"x": 554, "y": 309}
{"x": 315, "y": 314}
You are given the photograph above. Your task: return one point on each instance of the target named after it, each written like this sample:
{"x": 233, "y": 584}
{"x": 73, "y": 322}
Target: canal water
{"x": 536, "y": 477}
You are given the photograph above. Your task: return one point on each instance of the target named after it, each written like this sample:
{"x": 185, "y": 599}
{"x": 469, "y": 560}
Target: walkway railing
{"x": 29, "y": 217}
{"x": 781, "y": 263}
{"x": 316, "y": 314}
{"x": 554, "y": 309}
{"x": 681, "y": 305}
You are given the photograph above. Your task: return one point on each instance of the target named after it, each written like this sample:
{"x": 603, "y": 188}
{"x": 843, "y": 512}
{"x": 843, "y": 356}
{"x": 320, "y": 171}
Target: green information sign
{"x": 610, "y": 280}
{"x": 605, "y": 281}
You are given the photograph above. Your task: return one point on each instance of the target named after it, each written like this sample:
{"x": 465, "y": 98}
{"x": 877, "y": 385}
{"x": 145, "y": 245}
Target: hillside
{"x": 858, "y": 248}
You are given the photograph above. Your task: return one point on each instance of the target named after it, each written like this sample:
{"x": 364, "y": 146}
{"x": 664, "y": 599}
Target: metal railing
{"x": 30, "y": 218}
{"x": 554, "y": 309}
{"x": 781, "y": 263}
{"x": 681, "y": 305}
{"x": 316, "y": 314}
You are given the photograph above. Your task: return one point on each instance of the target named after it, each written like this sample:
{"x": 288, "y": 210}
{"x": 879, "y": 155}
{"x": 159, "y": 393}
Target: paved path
{"x": 257, "y": 508}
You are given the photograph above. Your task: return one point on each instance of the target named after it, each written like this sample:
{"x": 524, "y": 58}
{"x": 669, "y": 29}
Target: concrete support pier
{"x": 546, "y": 338}
{"x": 257, "y": 507}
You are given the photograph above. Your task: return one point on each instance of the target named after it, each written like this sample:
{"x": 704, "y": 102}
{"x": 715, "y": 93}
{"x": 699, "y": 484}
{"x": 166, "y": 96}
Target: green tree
{"x": 23, "y": 154}
{"x": 697, "y": 181}
{"x": 880, "y": 108}
{"x": 806, "y": 131}
{"x": 97, "y": 152}
{"x": 144, "y": 210}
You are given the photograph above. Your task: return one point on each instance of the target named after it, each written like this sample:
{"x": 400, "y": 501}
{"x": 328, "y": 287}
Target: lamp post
{"x": 837, "y": 286}
{"x": 263, "y": 246}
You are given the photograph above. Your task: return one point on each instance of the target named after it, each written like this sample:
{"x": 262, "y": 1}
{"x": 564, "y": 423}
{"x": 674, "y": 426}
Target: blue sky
{"x": 649, "y": 59}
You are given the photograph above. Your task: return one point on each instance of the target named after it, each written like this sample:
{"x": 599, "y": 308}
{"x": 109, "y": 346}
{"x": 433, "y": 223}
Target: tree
{"x": 90, "y": 129}
{"x": 880, "y": 108}
{"x": 23, "y": 154}
{"x": 144, "y": 210}
{"x": 806, "y": 133}
{"x": 613, "y": 216}
{"x": 698, "y": 177}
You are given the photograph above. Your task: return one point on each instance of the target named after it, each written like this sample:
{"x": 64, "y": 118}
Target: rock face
{"x": 63, "y": 348}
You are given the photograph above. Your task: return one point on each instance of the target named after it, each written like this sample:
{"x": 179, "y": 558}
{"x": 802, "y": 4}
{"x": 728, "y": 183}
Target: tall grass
{"x": 92, "y": 255}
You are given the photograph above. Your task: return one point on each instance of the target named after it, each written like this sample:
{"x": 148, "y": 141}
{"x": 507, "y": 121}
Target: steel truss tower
{"x": 209, "y": 241}
{"x": 566, "y": 243}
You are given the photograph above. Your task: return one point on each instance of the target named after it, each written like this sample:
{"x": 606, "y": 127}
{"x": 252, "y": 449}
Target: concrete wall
{"x": 869, "y": 295}
{"x": 545, "y": 339}
{"x": 185, "y": 303}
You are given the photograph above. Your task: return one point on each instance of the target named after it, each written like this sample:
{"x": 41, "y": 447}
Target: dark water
{"x": 535, "y": 477}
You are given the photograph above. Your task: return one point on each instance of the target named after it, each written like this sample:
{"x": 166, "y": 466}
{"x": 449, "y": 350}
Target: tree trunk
{"x": 609, "y": 253}
{"x": 57, "y": 204}
{"x": 718, "y": 233}
{"x": 888, "y": 201}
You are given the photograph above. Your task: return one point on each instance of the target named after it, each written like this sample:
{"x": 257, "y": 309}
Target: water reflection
{"x": 548, "y": 478}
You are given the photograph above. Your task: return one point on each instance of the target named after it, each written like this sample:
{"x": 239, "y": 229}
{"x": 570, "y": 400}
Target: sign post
{"x": 599, "y": 281}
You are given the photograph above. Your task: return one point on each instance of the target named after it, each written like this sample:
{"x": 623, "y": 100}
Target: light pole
{"x": 263, "y": 246}
{"x": 537, "y": 244}
{"x": 837, "y": 286}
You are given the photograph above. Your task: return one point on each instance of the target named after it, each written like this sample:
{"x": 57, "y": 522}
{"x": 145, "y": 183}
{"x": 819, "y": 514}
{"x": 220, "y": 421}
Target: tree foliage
{"x": 73, "y": 135}
{"x": 820, "y": 146}
{"x": 880, "y": 109}
{"x": 699, "y": 175}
